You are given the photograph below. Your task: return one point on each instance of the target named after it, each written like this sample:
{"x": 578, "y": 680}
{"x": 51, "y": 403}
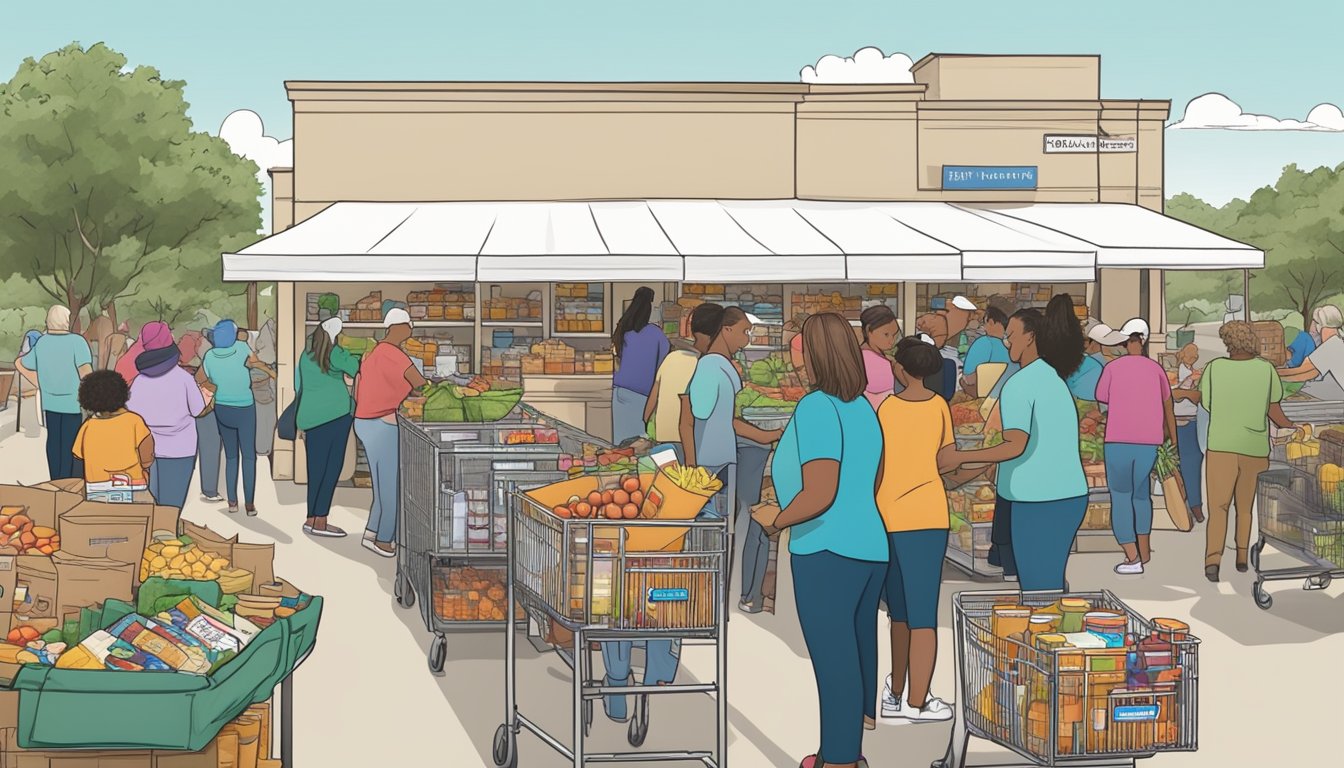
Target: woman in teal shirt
{"x": 1041, "y": 470}
{"x": 226, "y": 367}
{"x": 825, "y": 472}
{"x": 326, "y": 415}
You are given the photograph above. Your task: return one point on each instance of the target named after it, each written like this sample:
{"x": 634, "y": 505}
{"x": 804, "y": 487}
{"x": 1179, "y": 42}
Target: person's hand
{"x": 775, "y": 435}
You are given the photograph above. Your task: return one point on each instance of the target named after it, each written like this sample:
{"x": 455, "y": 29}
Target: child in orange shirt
{"x": 113, "y": 441}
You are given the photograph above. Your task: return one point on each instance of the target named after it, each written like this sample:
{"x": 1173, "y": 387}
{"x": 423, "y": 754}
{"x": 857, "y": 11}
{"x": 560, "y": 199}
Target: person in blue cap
{"x": 227, "y": 366}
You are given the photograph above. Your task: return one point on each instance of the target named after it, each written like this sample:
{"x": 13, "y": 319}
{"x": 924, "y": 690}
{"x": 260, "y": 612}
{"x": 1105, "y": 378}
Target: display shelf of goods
{"x": 1092, "y": 442}
{"x": 765, "y": 301}
{"x": 802, "y": 303}
{"x": 466, "y": 593}
{"x": 445, "y": 302}
{"x": 579, "y": 308}
{"x": 553, "y": 357}
{"x": 973, "y": 502}
{"x": 500, "y": 308}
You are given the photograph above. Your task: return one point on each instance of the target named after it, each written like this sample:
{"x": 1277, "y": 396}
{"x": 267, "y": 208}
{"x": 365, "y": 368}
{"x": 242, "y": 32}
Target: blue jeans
{"x": 1043, "y": 533}
{"x": 238, "y": 433}
{"x": 1001, "y": 537}
{"x": 1192, "y": 463}
{"x": 380, "y": 447}
{"x": 1129, "y": 468}
{"x": 324, "y": 447}
{"x": 837, "y": 608}
{"x": 627, "y": 414}
{"x": 170, "y": 479}
{"x": 661, "y": 659}
{"x": 208, "y": 449}
{"x": 62, "y": 428}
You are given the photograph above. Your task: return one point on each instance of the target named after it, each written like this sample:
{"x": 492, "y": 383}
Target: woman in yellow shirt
{"x": 113, "y": 441}
{"x": 916, "y": 428}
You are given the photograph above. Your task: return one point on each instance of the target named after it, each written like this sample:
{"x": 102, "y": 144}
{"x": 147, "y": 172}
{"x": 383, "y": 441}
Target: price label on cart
{"x": 1135, "y": 714}
{"x": 669, "y": 595}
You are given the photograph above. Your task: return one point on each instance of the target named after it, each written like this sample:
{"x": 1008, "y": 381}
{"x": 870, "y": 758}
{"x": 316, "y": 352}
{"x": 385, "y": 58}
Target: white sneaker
{"x": 370, "y": 535}
{"x": 1130, "y": 569}
{"x": 212, "y": 499}
{"x": 935, "y": 710}
{"x": 1010, "y": 579}
{"x": 891, "y": 703}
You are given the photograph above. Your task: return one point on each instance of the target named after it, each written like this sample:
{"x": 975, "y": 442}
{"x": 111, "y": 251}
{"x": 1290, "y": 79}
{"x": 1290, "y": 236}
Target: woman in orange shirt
{"x": 916, "y": 429}
{"x": 113, "y": 441}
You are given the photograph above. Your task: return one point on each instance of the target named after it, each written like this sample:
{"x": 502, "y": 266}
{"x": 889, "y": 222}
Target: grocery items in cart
{"x": 1071, "y": 677}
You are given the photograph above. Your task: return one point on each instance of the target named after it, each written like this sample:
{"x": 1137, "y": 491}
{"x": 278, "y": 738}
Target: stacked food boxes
{"x": 443, "y": 303}
{"x": 506, "y": 362}
{"x": 499, "y": 307}
{"x": 550, "y": 357}
{"x": 579, "y": 308}
{"x": 813, "y": 303}
{"x": 368, "y": 309}
{"x": 594, "y": 363}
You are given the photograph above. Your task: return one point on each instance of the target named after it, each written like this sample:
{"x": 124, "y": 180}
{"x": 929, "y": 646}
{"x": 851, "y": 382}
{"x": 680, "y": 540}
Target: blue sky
{"x": 1274, "y": 59}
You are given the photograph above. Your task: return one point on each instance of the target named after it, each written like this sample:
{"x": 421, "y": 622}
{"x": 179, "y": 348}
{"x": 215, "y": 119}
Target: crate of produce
{"x": 1269, "y": 335}
{"x": 1059, "y": 678}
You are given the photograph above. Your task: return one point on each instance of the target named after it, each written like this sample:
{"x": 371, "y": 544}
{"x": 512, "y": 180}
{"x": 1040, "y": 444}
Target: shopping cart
{"x": 1063, "y": 708}
{"x": 577, "y": 574}
{"x": 1298, "y": 515}
{"x": 455, "y": 484}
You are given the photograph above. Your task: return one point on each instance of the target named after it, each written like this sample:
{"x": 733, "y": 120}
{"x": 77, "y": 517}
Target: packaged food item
{"x": 176, "y": 649}
{"x": 1072, "y": 610}
{"x": 1110, "y": 627}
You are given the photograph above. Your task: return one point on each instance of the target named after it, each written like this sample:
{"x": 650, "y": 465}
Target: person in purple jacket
{"x": 168, "y": 398}
{"x": 639, "y": 347}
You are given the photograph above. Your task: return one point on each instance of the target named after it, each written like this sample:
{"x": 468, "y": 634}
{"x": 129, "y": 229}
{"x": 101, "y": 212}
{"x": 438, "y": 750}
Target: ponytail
{"x": 1061, "y": 343}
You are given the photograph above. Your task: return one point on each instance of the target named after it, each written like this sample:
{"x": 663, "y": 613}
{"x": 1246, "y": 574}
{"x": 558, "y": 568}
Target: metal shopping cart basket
{"x": 1071, "y": 706}
{"x": 578, "y": 574}
{"x": 1302, "y": 516}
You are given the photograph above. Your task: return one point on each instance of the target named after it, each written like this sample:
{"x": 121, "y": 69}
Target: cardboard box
{"x": 154, "y": 517}
{"x": 43, "y": 504}
{"x": 115, "y": 537}
{"x": 9, "y": 575}
{"x": 83, "y": 582}
{"x": 38, "y": 574}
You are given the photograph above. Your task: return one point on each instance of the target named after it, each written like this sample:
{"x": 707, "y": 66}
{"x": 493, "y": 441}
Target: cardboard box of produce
{"x": 36, "y": 573}
{"x": 83, "y": 582}
{"x": 115, "y": 537}
{"x": 8, "y": 581}
{"x": 152, "y": 518}
{"x": 43, "y": 505}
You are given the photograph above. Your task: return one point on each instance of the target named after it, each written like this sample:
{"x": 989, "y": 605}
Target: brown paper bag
{"x": 209, "y": 540}
{"x": 259, "y": 559}
{"x": 83, "y": 582}
{"x": 1173, "y": 493}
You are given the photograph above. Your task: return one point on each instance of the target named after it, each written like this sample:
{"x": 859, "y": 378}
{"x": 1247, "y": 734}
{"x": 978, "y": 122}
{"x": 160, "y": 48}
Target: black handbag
{"x": 287, "y": 426}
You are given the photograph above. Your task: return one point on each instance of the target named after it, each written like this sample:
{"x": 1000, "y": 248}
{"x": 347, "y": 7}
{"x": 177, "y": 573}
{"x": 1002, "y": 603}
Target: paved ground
{"x": 1269, "y": 684}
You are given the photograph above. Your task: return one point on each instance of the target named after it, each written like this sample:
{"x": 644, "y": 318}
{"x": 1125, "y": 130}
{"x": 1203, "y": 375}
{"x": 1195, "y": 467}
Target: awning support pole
{"x": 1246, "y": 292}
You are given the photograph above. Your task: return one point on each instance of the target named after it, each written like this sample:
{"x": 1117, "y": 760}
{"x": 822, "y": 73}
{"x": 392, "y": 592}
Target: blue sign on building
{"x": 989, "y": 177}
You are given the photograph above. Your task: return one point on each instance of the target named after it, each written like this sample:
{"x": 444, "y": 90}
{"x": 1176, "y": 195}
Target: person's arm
{"x": 1104, "y": 385}
{"x": 414, "y": 377}
{"x": 1014, "y": 444}
{"x": 254, "y": 362}
{"x": 196, "y": 400}
{"x": 83, "y": 360}
{"x": 686, "y": 430}
{"x": 968, "y": 384}
{"x": 1169, "y": 420}
{"x": 1275, "y": 413}
{"x": 1304, "y": 372}
{"x": 29, "y": 374}
{"x": 202, "y": 377}
{"x": 1186, "y": 394}
{"x": 146, "y": 450}
{"x": 651, "y": 404}
{"x": 821, "y": 480}
{"x": 754, "y": 433}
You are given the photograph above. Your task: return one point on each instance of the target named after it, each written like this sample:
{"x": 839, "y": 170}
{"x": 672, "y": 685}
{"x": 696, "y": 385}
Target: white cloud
{"x": 1214, "y": 111}
{"x": 245, "y": 134}
{"x": 867, "y": 65}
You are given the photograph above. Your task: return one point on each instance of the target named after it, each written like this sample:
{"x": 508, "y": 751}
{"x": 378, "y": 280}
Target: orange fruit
{"x": 630, "y": 484}
{"x": 630, "y": 511}
{"x": 607, "y": 497}
{"x": 595, "y": 498}
{"x": 637, "y": 497}
{"x": 612, "y": 512}
{"x": 620, "y": 497}
{"x": 583, "y": 509}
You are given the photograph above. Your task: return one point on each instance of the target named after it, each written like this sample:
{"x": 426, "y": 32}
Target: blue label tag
{"x": 1135, "y": 714}
{"x": 669, "y": 595}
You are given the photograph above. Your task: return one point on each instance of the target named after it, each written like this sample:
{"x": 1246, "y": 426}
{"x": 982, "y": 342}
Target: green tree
{"x": 107, "y": 189}
{"x": 1298, "y": 223}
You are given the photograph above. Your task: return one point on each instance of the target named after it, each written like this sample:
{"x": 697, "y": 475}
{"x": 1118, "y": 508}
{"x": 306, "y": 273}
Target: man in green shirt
{"x": 1241, "y": 393}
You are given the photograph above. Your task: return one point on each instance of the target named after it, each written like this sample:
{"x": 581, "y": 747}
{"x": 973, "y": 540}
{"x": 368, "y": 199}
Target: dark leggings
{"x": 238, "y": 431}
{"x": 837, "y": 599}
{"x": 325, "y": 448}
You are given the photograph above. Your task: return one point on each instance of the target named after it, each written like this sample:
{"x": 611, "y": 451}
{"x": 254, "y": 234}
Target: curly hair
{"x": 103, "y": 392}
{"x": 1239, "y": 337}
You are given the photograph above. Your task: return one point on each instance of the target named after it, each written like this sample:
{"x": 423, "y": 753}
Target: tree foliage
{"x": 1298, "y": 223}
{"x": 107, "y": 192}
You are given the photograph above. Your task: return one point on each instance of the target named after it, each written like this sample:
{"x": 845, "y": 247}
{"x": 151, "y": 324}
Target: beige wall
{"x": 952, "y": 77}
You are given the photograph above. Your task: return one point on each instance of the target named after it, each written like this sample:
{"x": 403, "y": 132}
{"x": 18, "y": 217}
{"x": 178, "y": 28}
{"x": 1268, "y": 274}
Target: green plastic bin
{"x": 90, "y": 709}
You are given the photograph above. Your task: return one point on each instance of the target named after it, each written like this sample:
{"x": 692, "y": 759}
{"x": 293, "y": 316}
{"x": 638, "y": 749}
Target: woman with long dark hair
{"x": 880, "y": 332}
{"x": 325, "y": 414}
{"x": 639, "y": 347}
{"x": 1041, "y": 470}
{"x": 825, "y": 470}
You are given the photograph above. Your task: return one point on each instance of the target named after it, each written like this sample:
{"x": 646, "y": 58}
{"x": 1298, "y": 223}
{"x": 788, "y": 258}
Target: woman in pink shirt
{"x": 1141, "y": 417}
{"x": 880, "y": 332}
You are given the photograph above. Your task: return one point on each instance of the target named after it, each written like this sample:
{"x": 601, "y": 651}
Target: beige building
{"x": 987, "y": 175}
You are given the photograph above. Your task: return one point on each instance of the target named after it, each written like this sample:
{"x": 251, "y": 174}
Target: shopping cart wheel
{"x": 438, "y": 654}
{"x": 639, "y": 721}
{"x": 1317, "y": 582}
{"x": 505, "y": 747}
{"x": 1262, "y": 598}
{"x": 403, "y": 590}
{"x": 1255, "y": 553}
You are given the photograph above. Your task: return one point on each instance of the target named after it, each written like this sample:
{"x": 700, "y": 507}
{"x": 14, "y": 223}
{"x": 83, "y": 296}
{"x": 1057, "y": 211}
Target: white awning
{"x": 725, "y": 241}
{"x": 1133, "y": 237}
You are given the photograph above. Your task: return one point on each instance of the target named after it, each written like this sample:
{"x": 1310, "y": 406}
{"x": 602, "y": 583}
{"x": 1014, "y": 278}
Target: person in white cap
{"x": 1141, "y": 418}
{"x": 325, "y": 413}
{"x": 386, "y": 377}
